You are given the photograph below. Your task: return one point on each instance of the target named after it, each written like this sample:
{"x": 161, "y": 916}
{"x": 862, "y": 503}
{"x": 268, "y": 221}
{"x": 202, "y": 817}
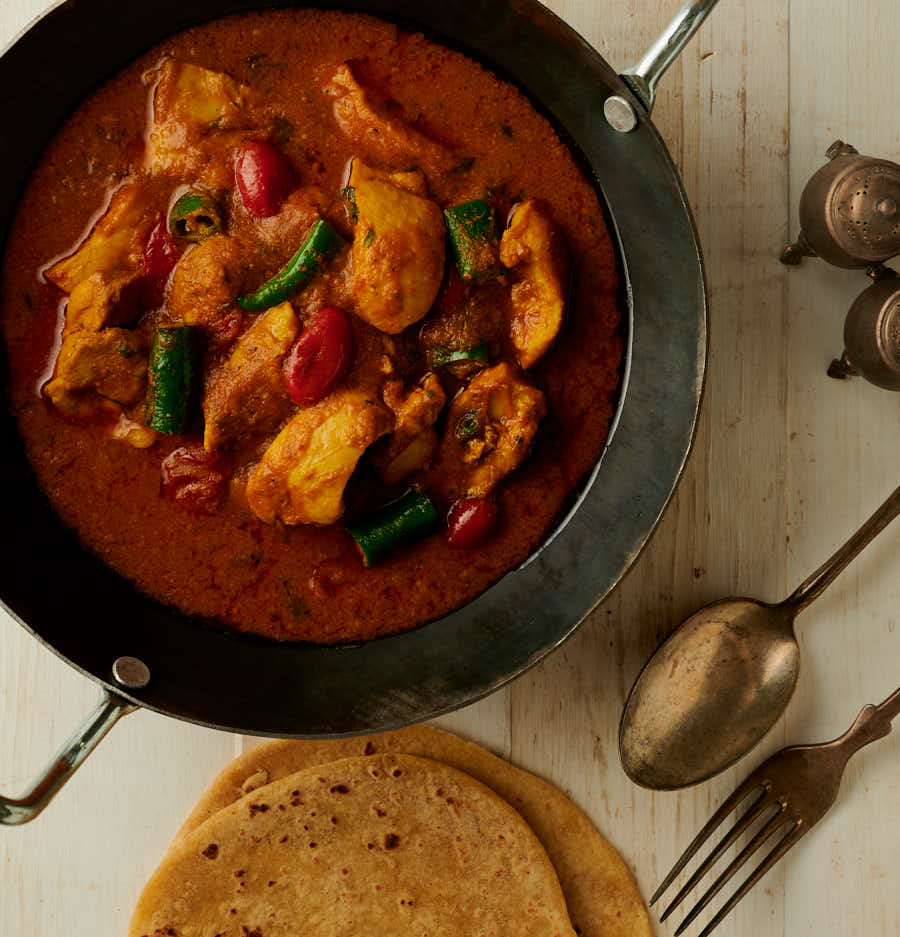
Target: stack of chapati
{"x": 415, "y": 833}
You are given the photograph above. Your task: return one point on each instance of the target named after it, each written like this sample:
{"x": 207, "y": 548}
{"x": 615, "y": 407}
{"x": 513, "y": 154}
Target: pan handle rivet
{"x": 131, "y": 672}
{"x": 620, "y": 114}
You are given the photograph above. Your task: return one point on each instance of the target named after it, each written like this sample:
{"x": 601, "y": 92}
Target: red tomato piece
{"x": 264, "y": 177}
{"x": 227, "y": 329}
{"x": 454, "y": 292}
{"x": 195, "y": 479}
{"x": 320, "y": 357}
{"x": 471, "y": 522}
{"x": 157, "y": 261}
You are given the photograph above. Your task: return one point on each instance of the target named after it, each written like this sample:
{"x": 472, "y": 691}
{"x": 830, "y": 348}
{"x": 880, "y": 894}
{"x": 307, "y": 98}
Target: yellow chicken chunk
{"x": 196, "y": 106}
{"x": 115, "y": 242}
{"x": 102, "y": 300}
{"x": 414, "y": 439}
{"x": 206, "y": 282}
{"x": 490, "y": 427}
{"x": 286, "y": 230}
{"x": 247, "y": 392}
{"x": 302, "y": 476}
{"x": 536, "y": 248}
{"x": 383, "y": 137}
{"x": 93, "y": 368}
{"x": 200, "y": 95}
{"x": 135, "y": 434}
{"x": 398, "y": 249}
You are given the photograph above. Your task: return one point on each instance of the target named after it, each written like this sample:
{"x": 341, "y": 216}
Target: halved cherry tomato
{"x": 471, "y": 522}
{"x": 264, "y": 177}
{"x": 320, "y": 357}
{"x": 157, "y": 262}
{"x": 195, "y": 479}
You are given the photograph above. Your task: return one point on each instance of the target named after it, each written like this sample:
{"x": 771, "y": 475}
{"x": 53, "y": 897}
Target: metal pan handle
{"x": 643, "y": 78}
{"x": 87, "y": 737}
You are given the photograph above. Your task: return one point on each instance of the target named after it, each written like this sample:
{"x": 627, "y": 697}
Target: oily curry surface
{"x": 287, "y": 291}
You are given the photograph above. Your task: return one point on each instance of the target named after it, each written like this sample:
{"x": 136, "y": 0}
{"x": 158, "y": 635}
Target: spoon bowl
{"x": 722, "y": 679}
{"x": 709, "y": 693}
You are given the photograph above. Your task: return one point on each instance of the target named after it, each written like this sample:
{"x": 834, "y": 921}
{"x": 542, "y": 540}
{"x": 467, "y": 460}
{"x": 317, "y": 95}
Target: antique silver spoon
{"x": 722, "y": 679}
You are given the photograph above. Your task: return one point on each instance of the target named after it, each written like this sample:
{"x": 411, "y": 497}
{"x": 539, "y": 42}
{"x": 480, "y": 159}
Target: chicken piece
{"x": 115, "y": 243}
{"x": 489, "y": 431}
{"x": 104, "y": 299}
{"x": 397, "y": 252}
{"x": 285, "y": 231}
{"x": 134, "y": 433}
{"x": 465, "y": 317}
{"x": 247, "y": 392}
{"x": 206, "y": 282}
{"x": 303, "y": 473}
{"x": 199, "y": 96}
{"x": 534, "y": 245}
{"x": 93, "y": 368}
{"x": 414, "y": 439}
{"x": 383, "y": 137}
{"x": 411, "y": 180}
{"x": 197, "y": 115}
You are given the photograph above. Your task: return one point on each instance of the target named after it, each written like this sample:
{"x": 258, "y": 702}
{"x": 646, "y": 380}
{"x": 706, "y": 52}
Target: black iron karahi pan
{"x": 96, "y": 620}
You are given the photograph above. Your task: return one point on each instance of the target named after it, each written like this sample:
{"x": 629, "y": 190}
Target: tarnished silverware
{"x": 723, "y": 678}
{"x": 850, "y": 216}
{"x": 872, "y": 332}
{"x": 849, "y": 211}
{"x": 795, "y": 788}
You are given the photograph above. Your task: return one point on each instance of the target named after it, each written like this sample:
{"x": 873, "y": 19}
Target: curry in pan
{"x": 312, "y": 325}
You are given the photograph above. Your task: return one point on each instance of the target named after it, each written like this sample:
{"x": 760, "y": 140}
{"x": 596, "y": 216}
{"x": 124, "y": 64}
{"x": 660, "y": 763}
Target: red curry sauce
{"x": 307, "y": 582}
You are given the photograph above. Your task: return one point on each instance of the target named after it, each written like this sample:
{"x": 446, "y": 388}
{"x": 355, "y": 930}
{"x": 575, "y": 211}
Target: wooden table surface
{"x": 787, "y": 463}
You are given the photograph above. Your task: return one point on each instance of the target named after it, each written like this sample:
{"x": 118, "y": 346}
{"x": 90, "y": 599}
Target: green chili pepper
{"x": 195, "y": 217}
{"x": 321, "y": 245}
{"x": 405, "y": 521}
{"x": 473, "y": 240}
{"x": 468, "y": 426}
{"x": 441, "y": 355}
{"x": 173, "y": 378}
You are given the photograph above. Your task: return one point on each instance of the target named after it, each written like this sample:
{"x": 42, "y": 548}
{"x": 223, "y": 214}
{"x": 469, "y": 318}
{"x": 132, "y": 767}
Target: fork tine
{"x": 771, "y": 827}
{"x": 740, "y": 794}
{"x": 753, "y": 811}
{"x": 796, "y": 831}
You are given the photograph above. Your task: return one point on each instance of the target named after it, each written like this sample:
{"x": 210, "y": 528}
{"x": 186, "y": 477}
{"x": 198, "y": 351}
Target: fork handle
{"x": 873, "y": 723}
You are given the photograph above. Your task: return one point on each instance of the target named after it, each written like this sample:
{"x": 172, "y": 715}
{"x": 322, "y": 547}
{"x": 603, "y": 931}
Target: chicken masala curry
{"x": 312, "y": 325}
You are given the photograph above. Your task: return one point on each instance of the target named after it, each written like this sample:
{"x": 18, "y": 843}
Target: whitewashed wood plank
{"x": 78, "y": 867}
{"x": 726, "y": 530}
{"x": 844, "y": 456}
{"x": 488, "y": 722}
{"x": 726, "y": 119}
{"x": 15, "y": 15}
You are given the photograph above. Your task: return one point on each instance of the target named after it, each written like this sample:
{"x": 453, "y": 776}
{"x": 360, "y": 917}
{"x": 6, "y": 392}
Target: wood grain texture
{"x": 843, "y": 459}
{"x": 787, "y": 463}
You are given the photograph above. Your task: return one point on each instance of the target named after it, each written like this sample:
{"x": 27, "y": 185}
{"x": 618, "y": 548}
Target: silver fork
{"x": 796, "y": 788}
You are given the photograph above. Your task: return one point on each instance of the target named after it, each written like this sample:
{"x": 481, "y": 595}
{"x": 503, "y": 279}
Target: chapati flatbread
{"x": 383, "y": 846}
{"x": 601, "y": 893}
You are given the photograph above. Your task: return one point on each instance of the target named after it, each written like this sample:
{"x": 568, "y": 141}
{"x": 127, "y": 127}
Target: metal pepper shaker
{"x": 872, "y": 333}
{"x": 850, "y": 217}
{"x": 849, "y": 211}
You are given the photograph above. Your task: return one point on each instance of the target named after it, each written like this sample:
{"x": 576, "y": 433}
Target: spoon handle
{"x": 819, "y": 581}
